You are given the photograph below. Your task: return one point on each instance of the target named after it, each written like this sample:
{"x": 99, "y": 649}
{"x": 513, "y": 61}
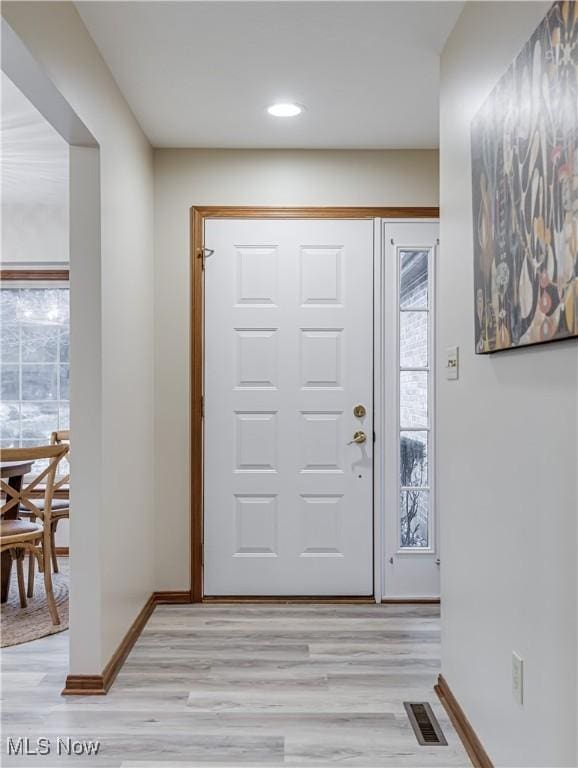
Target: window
{"x": 415, "y": 366}
{"x": 34, "y": 368}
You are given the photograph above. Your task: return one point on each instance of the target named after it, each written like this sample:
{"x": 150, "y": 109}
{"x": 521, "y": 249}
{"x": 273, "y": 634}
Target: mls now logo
{"x": 43, "y": 746}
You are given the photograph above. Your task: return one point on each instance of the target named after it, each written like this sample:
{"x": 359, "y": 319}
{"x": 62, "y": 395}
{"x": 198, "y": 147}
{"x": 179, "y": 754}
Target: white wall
{"x": 34, "y": 183}
{"x": 33, "y": 233}
{"x": 87, "y": 605}
{"x": 507, "y": 459}
{"x": 115, "y": 577}
{"x": 235, "y": 177}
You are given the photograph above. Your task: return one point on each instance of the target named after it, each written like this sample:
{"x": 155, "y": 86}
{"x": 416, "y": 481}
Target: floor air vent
{"x": 425, "y": 726}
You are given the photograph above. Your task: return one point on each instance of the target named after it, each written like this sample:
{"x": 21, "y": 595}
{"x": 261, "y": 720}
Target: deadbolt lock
{"x": 359, "y": 411}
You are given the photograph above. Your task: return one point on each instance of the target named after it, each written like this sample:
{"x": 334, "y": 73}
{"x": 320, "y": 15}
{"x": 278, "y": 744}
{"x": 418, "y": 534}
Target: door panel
{"x": 288, "y": 355}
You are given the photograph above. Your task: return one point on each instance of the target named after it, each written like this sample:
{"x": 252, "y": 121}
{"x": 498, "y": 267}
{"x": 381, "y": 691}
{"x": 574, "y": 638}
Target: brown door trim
{"x": 198, "y": 216}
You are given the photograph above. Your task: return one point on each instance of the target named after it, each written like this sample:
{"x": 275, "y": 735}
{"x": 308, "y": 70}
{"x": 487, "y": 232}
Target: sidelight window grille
{"x": 415, "y": 372}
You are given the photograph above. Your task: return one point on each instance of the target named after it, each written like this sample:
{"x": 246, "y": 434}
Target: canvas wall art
{"x": 525, "y": 193}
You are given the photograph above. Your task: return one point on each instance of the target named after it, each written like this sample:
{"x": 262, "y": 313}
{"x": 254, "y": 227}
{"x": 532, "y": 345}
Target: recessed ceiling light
{"x": 284, "y": 110}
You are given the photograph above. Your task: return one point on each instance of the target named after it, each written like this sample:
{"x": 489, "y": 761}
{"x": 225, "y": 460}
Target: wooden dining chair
{"x": 60, "y": 507}
{"x": 20, "y": 536}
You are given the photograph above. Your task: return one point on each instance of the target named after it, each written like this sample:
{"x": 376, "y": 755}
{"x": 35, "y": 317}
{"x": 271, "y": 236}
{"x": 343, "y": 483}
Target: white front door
{"x": 288, "y": 356}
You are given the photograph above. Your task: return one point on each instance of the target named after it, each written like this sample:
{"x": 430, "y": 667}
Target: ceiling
{"x": 34, "y": 158}
{"x": 200, "y": 74}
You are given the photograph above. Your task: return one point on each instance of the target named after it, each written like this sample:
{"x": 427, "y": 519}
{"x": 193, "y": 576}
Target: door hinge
{"x": 374, "y": 438}
{"x": 202, "y": 406}
{"x": 203, "y": 254}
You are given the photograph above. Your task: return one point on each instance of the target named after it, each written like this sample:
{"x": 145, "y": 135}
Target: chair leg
{"x": 48, "y": 586}
{"x": 20, "y": 571}
{"x": 53, "y": 546}
{"x": 31, "y": 572}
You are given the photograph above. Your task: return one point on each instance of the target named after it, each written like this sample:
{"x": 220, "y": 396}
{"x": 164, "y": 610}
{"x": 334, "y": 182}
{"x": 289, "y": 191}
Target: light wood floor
{"x": 244, "y": 685}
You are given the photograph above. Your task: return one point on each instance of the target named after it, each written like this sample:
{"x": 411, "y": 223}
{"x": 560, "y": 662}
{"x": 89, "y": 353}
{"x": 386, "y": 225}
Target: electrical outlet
{"x": 518, "y": 678}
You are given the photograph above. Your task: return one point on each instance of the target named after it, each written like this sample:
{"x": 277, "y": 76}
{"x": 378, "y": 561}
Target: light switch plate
{"x": 518, "y": 678}
{"x": 452, "y": 363}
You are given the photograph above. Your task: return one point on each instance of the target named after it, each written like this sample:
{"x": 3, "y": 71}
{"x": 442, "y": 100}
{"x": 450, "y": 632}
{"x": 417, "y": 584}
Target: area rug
{"x": 21, "y": 625}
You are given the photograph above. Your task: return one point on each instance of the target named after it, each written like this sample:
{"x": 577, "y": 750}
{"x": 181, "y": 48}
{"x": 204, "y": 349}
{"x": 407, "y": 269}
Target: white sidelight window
{"x": 406, "y": 493}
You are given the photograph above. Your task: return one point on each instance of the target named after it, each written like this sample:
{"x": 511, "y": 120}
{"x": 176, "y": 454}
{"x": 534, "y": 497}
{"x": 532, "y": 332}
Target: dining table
{"x": 14, "y": 472}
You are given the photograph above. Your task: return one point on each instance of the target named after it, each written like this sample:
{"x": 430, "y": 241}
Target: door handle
{"x": 359, "y": 438}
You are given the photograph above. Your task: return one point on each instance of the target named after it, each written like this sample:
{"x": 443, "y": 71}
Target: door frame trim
{"x": 198, "y": 216}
